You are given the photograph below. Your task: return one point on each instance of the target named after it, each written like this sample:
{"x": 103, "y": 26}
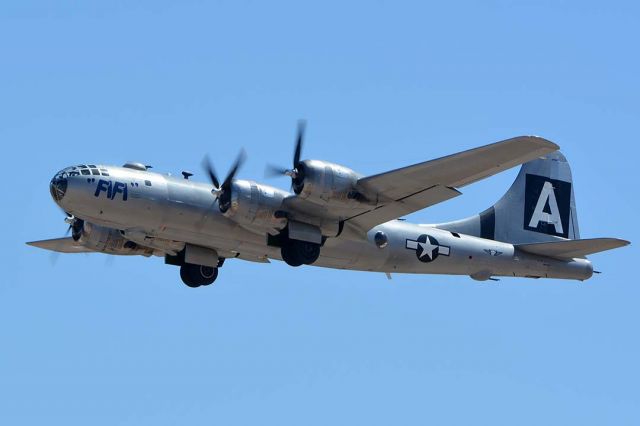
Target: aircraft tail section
{"x": 539, "y": 207}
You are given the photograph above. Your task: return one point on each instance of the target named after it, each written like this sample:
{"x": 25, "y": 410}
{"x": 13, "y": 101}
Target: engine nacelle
{"x": 109, "y": 240}
{"x": 325, "y": 182}
{"x": 254, "y": 205}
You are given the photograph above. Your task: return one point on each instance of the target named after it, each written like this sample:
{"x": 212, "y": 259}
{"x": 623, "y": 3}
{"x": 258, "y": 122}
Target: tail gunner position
{"x": 336, "y": 217}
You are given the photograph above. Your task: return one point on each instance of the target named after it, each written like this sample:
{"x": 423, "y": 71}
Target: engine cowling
{"x": 325, "y": 182}
{"x": 255, "y": 205}
{"x": 108, "y": 240}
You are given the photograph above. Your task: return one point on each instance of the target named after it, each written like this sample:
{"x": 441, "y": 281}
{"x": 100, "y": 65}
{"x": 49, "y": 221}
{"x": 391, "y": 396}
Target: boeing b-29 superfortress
{"x": 335, "y": 217}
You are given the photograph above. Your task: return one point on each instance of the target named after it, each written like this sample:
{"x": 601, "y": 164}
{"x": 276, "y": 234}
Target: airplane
{"x": 335, "y": 217}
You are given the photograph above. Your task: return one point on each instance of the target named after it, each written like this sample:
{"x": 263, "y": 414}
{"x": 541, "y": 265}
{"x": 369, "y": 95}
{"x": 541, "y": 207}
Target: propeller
{"x": 69, "y": 220}
{"x": 75, "y": 226}
{"x": 222, "y": 191}
{"x": 54, "y": 255}
{"x": 297, "y": 172}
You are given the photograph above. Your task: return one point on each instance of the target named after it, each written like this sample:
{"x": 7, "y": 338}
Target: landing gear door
{"x": 197, "y": 255}
{"x": 304, "y": 232}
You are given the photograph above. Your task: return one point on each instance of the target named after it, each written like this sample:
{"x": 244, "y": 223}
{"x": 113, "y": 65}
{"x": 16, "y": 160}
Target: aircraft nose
{"x": 58, "y": 186}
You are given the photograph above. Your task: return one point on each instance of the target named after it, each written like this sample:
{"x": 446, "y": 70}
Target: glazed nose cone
{"x": 58, "y": 186}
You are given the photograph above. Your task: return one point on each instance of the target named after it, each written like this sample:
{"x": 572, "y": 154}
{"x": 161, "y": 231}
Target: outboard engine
{"x": 106, "y": 240}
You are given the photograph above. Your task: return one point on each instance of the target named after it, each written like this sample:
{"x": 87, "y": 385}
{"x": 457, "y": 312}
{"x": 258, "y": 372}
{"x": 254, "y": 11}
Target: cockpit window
{"x": 104, "y": 172}
{"x": 81, "y": 166}
{"x": 93, "y": 166}
{"x": 74, "y": 173}
{"x": 95, "y": 172}
{"x": 85, "y": 171}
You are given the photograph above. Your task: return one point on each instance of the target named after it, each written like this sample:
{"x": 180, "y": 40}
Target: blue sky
{"x": 91, "y": 340}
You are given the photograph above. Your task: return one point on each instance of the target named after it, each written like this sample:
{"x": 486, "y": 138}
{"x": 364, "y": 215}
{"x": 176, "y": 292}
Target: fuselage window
{"x": 95, "y": 172}
{"x": 85, "y": 171}
{"x": 147, "y": 182}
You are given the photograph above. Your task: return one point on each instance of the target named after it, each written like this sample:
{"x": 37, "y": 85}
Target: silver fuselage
{"x": 171, "y": 208}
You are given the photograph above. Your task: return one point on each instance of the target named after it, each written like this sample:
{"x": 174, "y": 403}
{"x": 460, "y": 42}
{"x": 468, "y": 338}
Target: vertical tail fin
{"x": 539, "y": 207}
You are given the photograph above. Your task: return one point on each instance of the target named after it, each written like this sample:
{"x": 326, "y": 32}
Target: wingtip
{"x": 544, "y": 146}
{"x": 546, "y": 143}
{"x": 617, "y": 242}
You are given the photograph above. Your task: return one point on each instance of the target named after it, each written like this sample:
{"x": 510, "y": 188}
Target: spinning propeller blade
{"x": 223, "y": 192}
{"x": 297, "y": 172}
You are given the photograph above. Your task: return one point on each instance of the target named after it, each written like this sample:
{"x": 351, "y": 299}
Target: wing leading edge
{"x": 409, "y": 189}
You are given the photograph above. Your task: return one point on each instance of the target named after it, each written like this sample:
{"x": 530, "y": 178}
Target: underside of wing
{"x": 570, "y": 249}
{"x": 61, "y": 245}
{"x": 398, "y": 208}
{"x": 428, "y": 183}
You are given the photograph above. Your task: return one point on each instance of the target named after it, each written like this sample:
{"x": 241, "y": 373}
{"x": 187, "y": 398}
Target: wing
{"x": 416, "y": 187}
{"x": 403, "y": 206}
{"x": 62, "y": 245}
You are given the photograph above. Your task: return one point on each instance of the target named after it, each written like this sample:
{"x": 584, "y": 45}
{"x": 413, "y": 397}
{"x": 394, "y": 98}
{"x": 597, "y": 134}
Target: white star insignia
{"x": 427, "y": 249}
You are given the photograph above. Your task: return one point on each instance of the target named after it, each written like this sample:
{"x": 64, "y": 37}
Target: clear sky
{"x": 103, "y": 341}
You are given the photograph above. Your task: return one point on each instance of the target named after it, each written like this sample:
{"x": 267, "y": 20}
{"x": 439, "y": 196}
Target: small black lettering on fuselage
{"x": 111, "y": 189}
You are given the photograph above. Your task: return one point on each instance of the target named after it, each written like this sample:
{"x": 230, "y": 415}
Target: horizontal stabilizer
{"x": 568, "y": 249}
{"x": 62, "y": 245}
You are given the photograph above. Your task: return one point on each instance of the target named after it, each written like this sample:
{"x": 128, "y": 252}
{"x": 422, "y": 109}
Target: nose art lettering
{"x": 111, "y": 189}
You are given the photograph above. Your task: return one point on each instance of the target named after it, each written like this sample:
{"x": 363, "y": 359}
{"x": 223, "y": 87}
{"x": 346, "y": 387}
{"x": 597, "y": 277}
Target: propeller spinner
{"x": 222, "y": 191}
{"x": 297, "y": 172}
